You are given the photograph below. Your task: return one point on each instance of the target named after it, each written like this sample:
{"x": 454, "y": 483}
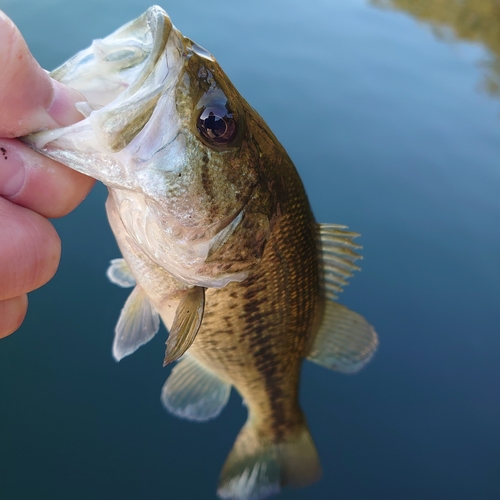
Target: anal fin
{"x": 345, "y": 341}
{"x": 194, "y": 392}
{"x": 120, "y": 274}
{"x": 187, "y": 322}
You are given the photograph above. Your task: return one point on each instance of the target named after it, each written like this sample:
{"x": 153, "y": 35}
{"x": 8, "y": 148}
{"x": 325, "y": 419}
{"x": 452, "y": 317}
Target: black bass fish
{"x": 217, "y": 239}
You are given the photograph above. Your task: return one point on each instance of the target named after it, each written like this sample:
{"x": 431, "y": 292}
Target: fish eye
{"x": 217, "y": 125}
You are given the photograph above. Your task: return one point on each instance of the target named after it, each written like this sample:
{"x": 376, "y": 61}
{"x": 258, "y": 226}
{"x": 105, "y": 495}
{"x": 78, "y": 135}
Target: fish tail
{"x": 257, "y": 467}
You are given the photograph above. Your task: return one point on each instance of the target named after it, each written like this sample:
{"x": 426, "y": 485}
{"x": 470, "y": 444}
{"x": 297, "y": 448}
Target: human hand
{"x": 32, "y": 187}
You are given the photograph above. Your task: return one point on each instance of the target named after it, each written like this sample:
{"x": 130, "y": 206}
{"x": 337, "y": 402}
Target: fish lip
{"x": 140, "y": 62}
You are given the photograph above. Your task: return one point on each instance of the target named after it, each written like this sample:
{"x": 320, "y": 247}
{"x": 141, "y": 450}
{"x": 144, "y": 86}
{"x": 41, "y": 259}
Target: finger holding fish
{"x": 31, "y": 247}
{"x": 39, "y": 183}
{"x": 29, "y": 100}
{"x": 32, "y": 186}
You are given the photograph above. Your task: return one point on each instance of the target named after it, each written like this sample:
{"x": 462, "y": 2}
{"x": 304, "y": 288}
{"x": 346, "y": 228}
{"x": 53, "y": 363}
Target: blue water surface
{"x": 394, "y": 135}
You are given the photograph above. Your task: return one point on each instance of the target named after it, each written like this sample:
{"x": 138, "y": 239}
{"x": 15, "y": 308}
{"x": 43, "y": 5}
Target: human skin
{"x": 33, "y": 188}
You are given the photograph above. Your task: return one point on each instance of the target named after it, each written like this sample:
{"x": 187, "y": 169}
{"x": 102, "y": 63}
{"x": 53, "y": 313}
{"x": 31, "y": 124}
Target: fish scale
{"x": 271, "y": 316}
{"x": 218, "y": 240}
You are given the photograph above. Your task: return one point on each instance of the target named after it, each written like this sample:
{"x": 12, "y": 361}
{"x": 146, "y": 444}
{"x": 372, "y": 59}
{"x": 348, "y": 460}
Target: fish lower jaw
{"x": 185, "y": 260}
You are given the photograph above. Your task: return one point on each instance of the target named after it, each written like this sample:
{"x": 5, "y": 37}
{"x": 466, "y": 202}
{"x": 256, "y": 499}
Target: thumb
{"x": 29, "y": 99}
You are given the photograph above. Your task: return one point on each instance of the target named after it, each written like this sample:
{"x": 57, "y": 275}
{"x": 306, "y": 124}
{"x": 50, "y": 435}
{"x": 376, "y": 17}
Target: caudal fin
{"x": 257, "y": 468}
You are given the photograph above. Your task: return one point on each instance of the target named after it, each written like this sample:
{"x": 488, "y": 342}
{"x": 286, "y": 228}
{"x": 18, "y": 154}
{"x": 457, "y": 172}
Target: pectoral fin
{"x": 345, "y": 341}
{"x": 186, "y": 324}
{"x": 119, "y": 273}
{"x": 137, "y": 325}
{"x": 194, "y": 392}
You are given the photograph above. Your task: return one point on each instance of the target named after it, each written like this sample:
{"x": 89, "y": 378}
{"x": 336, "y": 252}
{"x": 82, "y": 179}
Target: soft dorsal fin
{"x": 194, "y": 392}
{"x": 137, "y": 325}
{"x": 120, "y": 274}
{"x": 345, "y": 341}
{"x": 337, "y": 254}
{"x": 187, "y": 321}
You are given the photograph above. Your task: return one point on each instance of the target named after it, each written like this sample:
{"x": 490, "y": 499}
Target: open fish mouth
{"x": 123, "y": 61}
{"x": 124, "y": 78}
{"x": 165, "y": 130}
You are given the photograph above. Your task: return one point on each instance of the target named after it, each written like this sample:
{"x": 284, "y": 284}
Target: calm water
{"x": 394, "y": 128}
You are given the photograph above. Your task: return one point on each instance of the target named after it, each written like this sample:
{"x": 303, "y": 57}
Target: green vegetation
{"x": 468, "y": 20}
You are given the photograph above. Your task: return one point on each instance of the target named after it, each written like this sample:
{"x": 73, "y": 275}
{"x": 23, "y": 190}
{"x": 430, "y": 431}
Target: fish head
{"x": 168, "y": 133}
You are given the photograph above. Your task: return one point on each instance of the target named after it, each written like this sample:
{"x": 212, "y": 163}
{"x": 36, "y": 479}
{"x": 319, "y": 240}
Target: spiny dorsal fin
{"x": 336, "y": 257}
{"x": 187, "y": 321}
{"x": 345, "y": 341}
{"x": 194, "y": 392}
{"x": 257, "y": 468}
{"x": 119, "y": 273}
{"x": 137, "y": 325}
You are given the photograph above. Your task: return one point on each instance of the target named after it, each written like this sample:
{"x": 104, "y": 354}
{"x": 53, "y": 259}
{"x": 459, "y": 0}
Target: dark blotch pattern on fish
{"x": 205, "y": 176}
{"x": 268, "y": 316}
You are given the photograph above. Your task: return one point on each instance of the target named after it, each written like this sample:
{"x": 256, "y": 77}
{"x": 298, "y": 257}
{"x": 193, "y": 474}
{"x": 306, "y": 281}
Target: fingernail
{"x": 12, "y": 171}
{"x": 62, "y": 108}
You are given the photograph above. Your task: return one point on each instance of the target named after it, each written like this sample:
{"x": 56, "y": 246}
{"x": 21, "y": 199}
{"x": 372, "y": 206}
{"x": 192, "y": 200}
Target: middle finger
{"x": 31, "y": 247}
